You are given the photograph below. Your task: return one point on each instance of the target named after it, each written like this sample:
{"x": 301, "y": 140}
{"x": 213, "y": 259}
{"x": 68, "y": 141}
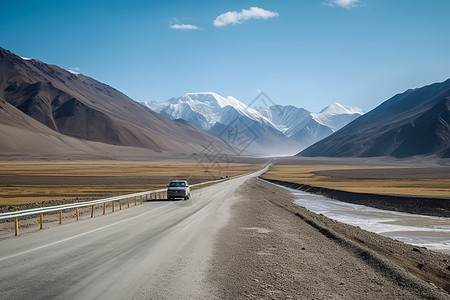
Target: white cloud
{"x": 75, "y": 69}
{"x": 184, "y": 27}
{"x": 345, "y": 3}
{"x": 234, "y": 17}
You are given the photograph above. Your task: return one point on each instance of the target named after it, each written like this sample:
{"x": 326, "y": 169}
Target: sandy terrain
{"x": 274, "y": 249}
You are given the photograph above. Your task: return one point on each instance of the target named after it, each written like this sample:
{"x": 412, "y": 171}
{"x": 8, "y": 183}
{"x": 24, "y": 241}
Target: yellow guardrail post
{"x": 16, "y": 224}
{"x": 41, "y": 217}
{"x": 148, "y": 195}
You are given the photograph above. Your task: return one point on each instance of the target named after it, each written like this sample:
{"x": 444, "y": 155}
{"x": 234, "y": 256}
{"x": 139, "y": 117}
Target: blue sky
{"x": 303, "y": 52}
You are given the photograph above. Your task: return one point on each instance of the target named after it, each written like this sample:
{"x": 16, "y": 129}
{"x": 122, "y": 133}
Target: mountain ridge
{"x": 281, "y": 125}
{"x": 415, "y": 122}
{"x": 81, "y": 107}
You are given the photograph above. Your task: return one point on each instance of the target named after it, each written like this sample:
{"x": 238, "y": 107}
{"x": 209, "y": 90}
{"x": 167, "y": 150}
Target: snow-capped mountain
{"x": 208, "y": 108}
{"x": 229, "y": 119}
{"x": 307, "y": 128}
{"x": 336, "y": 115}
{"x": 268, "y": 128}
{"x": 288, "y": 119}
{"x": 413, "y": 123}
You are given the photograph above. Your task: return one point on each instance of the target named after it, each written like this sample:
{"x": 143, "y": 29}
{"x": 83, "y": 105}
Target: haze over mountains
{"x": 275, "y": 129}
{"x": 416, "y": 122}
{"x": 60, "y": 110}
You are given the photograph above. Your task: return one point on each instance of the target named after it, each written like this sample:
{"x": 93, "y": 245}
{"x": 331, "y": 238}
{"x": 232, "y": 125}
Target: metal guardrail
{"x": 41, "y": 210}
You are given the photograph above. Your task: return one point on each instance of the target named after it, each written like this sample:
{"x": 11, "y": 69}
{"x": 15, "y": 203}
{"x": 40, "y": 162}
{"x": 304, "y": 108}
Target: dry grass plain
{"x": 23, "y": 182}
{"x": 392, "y": 180}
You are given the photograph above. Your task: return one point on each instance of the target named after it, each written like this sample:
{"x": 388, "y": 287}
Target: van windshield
{"x": 177, "y": 184}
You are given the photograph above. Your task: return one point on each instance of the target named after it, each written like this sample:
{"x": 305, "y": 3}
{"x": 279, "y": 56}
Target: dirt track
{"x": 274, "y": 249}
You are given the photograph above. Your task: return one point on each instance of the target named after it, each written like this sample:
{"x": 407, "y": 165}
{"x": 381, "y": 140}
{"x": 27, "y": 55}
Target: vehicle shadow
{"x": 163, "y": 200}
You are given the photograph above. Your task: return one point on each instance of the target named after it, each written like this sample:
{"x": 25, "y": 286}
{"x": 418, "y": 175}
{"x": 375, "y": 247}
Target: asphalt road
{"x": 158, "y": 250}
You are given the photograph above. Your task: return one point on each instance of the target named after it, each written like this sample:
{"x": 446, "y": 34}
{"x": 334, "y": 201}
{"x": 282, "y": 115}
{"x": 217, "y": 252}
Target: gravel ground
{"x": 274, "y": 249}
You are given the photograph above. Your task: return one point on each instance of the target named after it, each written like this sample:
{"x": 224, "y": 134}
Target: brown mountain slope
{"x": 22, "y": 137}
{"x": 79, "y": 106}
{"x": 416, "y": 122}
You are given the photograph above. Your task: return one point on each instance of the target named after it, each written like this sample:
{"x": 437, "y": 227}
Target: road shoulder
{"x": 273, "y": 248}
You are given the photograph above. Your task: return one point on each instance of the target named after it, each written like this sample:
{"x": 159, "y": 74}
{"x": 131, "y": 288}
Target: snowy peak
{"x": 154, "y": 105}
{"x": 276, "y": 126}
{"x": 213, "y": 107}
{"x": 335, "y": 116}
{"x": 337, "y": 108}
{"x": 211, "y": 99}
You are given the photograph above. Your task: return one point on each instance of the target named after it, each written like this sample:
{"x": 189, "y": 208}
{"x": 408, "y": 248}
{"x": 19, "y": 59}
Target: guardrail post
{"x": 60, "y": 215}
{"x": 92, "y": 211}
{"x": 135, "y": 200}
{"x": 120, "y": 204}
{"x": 16, "y": 224}
{"x": 141, "y": 199}
{"x": 128, "y": 202}
{"x": 41, "y": 217}
{"x": 112, "y": 206}
{"x": 76, "y": 208}
{"x": 104, "y": 207}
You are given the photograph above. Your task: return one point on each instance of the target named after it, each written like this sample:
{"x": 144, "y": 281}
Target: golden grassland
{"x": 23, "y": 182}
{"x": 390, "y": 184}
